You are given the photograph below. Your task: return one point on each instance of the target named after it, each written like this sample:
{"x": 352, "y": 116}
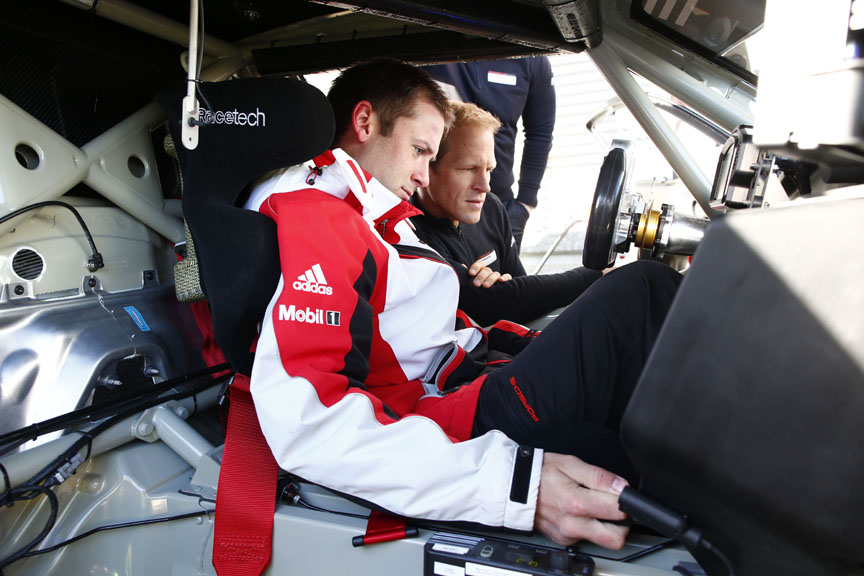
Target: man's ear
{"x": 363, "y": 120}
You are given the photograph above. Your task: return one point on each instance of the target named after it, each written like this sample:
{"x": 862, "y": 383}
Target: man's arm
{"x": 319, "y": 410}
{"x": 538, "y": 122}
{"x": 521, "y": 299}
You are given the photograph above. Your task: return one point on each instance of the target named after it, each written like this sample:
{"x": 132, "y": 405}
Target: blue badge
{"x": 137, "y": 318}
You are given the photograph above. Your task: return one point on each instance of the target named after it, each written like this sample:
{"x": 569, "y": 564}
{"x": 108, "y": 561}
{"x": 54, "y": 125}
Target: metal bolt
{"x": 145, "y": 428}
{"x": 90, "y": 483}
{"x": 181, "y": 412}
{"x": 91, "y": 282}
{"x": 19, "y": 290}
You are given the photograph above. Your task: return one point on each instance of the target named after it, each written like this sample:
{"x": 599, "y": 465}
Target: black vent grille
{"x": 27, "y": 264}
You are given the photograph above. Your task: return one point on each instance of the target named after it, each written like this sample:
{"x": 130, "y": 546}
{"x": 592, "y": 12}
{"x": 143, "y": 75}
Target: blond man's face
{"x": 459, "y": 182}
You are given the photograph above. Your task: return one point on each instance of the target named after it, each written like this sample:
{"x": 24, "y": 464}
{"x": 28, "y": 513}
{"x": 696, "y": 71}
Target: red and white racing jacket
{"x": 360, "y": 381}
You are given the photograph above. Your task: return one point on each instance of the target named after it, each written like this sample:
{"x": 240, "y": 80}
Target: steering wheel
{"x": 598, "y": 252}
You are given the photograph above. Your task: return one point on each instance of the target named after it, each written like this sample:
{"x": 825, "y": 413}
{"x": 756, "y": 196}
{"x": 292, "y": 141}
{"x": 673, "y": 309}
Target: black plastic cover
{"x": 748, "y": 416}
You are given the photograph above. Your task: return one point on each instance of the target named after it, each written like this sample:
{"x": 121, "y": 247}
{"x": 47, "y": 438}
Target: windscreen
{"x": 716, "y": 29}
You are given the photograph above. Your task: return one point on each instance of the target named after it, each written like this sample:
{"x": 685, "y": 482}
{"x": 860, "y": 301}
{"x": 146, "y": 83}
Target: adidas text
{"x": 307, "y": 286}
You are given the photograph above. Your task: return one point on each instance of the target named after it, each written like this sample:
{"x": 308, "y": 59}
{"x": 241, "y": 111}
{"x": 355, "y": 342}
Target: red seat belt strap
{"x": 246, "y": 497}
{"x": 383, "y": 527}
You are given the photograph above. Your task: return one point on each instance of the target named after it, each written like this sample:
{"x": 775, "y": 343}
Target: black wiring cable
{"x": 200, "y": 47}
{"x": 108, "y": 527}
{"x": 305, "y": 504}
{"x": 638, "y": 554}
{"x": 12, "y": 440}
{"x": 96, "y": 261}
{"x": 45, "y": 474}
{"x": 200, "y": 92}
{"x": 27, "y": 493}
{"x": 200, "y": 497}
{"x": 719, "y": 554}
{"x": 291, "y": 492}
{"x": 35, "y": 485}
{"x": 7, "y": 485}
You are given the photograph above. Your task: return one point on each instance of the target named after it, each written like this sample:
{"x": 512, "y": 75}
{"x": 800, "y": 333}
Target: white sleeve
{"x": 409, "y": 467}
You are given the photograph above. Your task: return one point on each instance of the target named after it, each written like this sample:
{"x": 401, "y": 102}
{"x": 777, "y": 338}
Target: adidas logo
{"x": 313, "y": 281}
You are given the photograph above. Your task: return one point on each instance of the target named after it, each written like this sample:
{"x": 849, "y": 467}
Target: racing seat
{"x": 255, "y": 126}
{"x": 236, "y": 249}
{"x": 747, "y": 417}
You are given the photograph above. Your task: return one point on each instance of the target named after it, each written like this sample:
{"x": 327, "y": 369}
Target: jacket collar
{"x": 377, "y": 201}
{"x": 431, "y": 221}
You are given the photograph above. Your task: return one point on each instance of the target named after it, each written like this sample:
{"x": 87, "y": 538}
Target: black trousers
{"x": 567, "y": 391}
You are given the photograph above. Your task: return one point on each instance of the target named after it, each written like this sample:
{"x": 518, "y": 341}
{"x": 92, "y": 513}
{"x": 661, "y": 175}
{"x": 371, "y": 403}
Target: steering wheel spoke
{"x": 598, "y": 252}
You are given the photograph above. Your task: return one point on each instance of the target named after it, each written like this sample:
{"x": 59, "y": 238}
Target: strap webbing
{"x": 383, "y": 527}
{"x": 246, "y": 498}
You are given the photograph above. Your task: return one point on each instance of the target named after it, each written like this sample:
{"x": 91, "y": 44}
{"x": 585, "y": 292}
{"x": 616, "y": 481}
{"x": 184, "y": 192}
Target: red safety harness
{"x": 246, "y": 498}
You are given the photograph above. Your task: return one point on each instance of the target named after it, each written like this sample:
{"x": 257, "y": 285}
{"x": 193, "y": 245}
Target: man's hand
{"x": 574, "y": 500}
{"x": 518, "y": 214}
{"x": 485, "y": 276}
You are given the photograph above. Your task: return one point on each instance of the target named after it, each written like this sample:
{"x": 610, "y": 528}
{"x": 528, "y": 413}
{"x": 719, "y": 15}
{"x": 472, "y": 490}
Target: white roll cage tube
{"x": 189, "y": 130}
{"x": 619, "y": 77}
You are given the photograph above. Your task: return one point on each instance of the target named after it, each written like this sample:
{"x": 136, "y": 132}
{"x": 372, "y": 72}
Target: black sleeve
{"x": 538, "y": 120}
{"x": 521, "y": 299}
{"x": 510, "y": 261}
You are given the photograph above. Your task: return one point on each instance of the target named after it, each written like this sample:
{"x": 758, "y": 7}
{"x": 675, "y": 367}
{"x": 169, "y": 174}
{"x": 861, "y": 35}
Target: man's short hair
{"x": 391, "y": 86}
{"x": 466, "y": 114}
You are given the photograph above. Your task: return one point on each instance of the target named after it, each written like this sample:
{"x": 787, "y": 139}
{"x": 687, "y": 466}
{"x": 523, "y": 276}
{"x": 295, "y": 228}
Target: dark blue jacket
{"x": 510, "y": 89}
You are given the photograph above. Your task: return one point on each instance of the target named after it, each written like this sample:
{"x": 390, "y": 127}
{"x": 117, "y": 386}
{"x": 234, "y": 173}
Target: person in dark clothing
{"x": 510, "y": 89}
{"x": 469, "y": 227}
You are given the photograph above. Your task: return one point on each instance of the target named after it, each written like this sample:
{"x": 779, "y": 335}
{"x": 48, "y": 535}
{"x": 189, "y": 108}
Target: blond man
{"x": 469, "y": 226}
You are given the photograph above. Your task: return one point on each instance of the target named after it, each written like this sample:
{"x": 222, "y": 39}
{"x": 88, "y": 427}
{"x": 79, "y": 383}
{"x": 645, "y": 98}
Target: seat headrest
{"x": 253, "y": 125}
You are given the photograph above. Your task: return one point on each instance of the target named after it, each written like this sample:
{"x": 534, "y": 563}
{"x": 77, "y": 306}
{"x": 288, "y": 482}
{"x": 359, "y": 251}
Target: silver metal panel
{"x": 54, "y": 354}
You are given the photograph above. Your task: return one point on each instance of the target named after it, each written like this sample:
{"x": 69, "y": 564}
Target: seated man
{"x": 469, "y": 227}
{"x": 362, "y": 384}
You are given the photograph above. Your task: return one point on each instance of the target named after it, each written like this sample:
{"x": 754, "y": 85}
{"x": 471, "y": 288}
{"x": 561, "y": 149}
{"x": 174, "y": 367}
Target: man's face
{"x": 400, "y": 160}
{"x": 459, "y": 181}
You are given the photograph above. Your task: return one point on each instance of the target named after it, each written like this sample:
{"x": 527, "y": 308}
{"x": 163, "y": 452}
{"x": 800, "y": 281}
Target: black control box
{"x": 448, "y": 554}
